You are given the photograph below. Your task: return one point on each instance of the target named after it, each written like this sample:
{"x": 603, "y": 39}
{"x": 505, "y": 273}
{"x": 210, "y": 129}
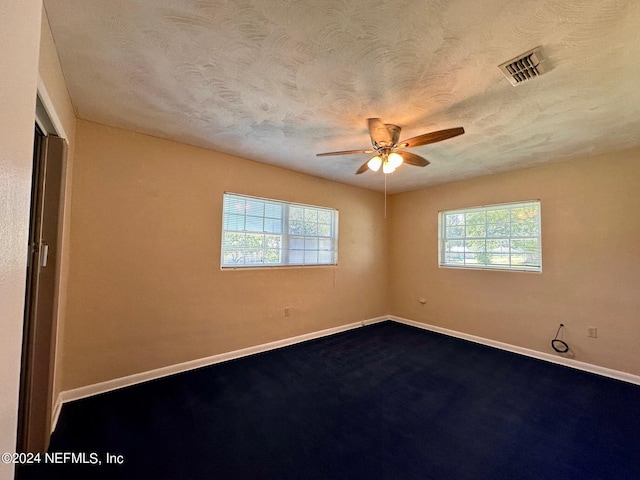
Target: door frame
{"x": 49, "y": 123}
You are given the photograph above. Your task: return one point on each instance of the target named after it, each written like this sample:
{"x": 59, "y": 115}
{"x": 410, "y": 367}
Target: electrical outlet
{"x": 286, "y": 311}
{"x": 592, "y": 332}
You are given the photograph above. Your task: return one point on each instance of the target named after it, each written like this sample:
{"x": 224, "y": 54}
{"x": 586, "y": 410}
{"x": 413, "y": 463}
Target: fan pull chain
{"x": 385, "y": 196}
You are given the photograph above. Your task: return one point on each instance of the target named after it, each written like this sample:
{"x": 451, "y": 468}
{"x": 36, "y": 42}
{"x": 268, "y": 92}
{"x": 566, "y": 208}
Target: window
{"x": 503, "y": 236}
{"x": 258, "y": 232}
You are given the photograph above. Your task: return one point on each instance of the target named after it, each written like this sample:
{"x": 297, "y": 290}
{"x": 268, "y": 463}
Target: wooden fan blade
{"x": 432, "y": 137}
{"x": 344, "y": 152}
{"x": 412, "y": 159}
{"x": 363, "y": 168}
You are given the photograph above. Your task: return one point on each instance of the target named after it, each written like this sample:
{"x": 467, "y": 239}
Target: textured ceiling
{"x": 278, "y": 81}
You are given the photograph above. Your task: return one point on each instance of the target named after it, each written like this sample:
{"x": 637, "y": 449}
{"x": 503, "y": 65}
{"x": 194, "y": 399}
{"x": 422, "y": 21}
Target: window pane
{"x": 455, "y": 219}
{"x": 272, "y": 225}
{"x": 310, "y": 215}
{"x": 455, "y": 232}
{"x": 272, "y": 256}
{"x": 454, "y": 251}
{"x": 253, "y": 256}
{"x": 234, "y": 205}
{"x": 498, "y": 246}
{"x": 296, "y": 243}
{"x": 475, "y": 230}
{"x": 233, "y": 240}
{"x": 324, "y": 216}
{"x": 311, "y": 244}
{"x": 296, "y": 227}
{"x": 454, "y": 246}
{"x": 255, "y": 208}
{"x": 325, "y": 257}
{"x": 233, "y": 248}
{"x": 255, "y": 224}
{"x": 273, "y": 210}
{"x": 498, "y": 229}
{"x": 310, "y": 256}
{"x": 523, "y": 229}
{"x": 235, "y": 257}
{"x": 254, "y": 241}
{"x": 499, "y": 259}
{"x": 296, "y": 213}
{"x": 525, "y": 212}
{"x": 296, "y": 257}
{"x": 504, "y": 236}
{"x": 325, "y": 244}
{"x": 311, "y": 229}
{"x": 272, "y": 241}
{"x": 498, "y": 216}
{"x": 474, "y": 246}
{"x": 267, "y": 232}
{"x": 234, "y": 222}
{"x": 324, "y": 230}
{"x": 454, "y": 258}
{"x": 475, "y": 218}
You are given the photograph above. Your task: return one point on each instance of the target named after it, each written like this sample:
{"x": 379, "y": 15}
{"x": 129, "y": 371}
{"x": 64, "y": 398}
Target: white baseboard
{"x": 57, "y": 407}
{"x": 117, "y": 383}
{"x": 567, "y": 362}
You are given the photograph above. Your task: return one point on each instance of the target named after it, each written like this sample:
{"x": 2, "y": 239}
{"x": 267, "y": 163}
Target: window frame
{"x": 286, "y": 236}
{"x": 509, "y": 267}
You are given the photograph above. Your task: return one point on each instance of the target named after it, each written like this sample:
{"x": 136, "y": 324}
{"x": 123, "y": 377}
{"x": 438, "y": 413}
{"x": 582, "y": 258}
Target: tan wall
{"x": 19, "y": 37}
{"x": 145, "y": 286}
{"x": 53, "y": 86}
{"x": 591, "y": 260}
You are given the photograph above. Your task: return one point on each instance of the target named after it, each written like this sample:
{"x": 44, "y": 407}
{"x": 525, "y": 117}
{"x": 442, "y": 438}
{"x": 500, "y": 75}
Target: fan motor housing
{"x": 394, "y": 131}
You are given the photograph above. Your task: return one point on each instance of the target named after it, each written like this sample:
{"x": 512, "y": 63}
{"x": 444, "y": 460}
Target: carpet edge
{"x": 141, "y": 377}
{"x": 567, "y": 362}
{"x": 130, "y": 380}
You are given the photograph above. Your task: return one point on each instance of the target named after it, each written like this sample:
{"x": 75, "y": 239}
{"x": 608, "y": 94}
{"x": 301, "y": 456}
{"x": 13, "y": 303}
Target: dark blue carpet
{"x": 386, "y": 401}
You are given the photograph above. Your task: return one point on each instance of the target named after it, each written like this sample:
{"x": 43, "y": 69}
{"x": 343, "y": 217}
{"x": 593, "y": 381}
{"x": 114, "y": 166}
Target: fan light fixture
{"x": 388, "y": 168}
{"x": 374, "y": 163}
{"x": 395, "y": 160}
{"x": 389, "y": 162}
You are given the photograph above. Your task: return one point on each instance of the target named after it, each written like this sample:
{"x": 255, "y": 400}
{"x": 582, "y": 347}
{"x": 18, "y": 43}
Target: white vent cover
{"x": 524, "y": 67}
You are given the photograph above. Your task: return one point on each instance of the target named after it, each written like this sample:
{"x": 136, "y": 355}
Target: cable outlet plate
{"x": 592, "y": 332}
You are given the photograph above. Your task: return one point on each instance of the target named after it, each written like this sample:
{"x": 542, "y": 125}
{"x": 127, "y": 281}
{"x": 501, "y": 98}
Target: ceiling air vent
{"x": 524, "y": 67}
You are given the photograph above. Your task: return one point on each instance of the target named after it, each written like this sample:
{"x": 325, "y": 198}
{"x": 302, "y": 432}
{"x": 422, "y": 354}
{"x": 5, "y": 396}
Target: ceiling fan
{"x": 388, "y": 150}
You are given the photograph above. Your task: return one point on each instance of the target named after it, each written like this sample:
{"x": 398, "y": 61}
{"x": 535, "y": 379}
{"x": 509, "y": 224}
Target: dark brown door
{"x": 42, "y": 281}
